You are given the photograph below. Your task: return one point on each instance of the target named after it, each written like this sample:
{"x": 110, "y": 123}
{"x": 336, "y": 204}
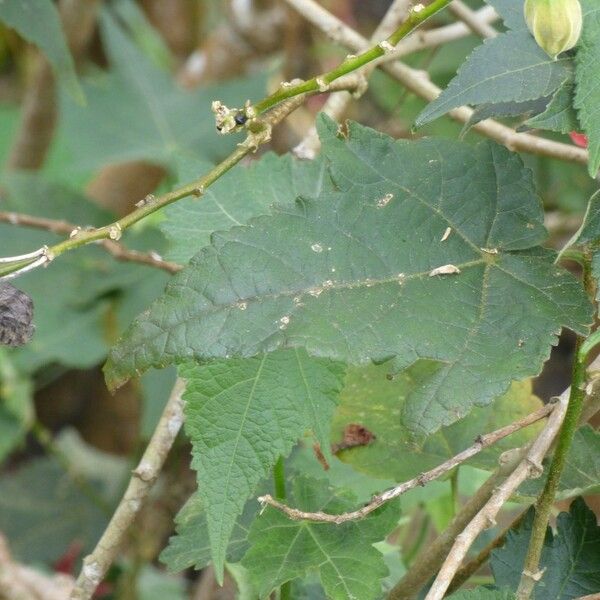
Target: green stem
{"x": 545, "y": 502}
{"x": 285, "y": 591}
{"x": 416, "y": 16}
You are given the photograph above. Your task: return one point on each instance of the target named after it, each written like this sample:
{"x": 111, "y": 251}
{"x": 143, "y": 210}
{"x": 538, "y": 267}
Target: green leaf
{"x": 511, "y": 12}
{"x": 348, "y": 276}
{"x": 137, "y": 112}
{"x": 234, "y": 199}
{"x": 560, "y": 114}
{"x": 508, "y": 68}
{"x": 282, "y": 550}
{"x": 581, "y": 474}
{"x": 38, "y": 22}
{"x": 16, "y": 405}
{"x": 241, "y": 416}
{"x": 587, "y": 92}
{"x": 191, "y": 546}
{"x": 570, "y": 557}
{"x": 505, "y": 109}
{"x": 152, "y": 584}
{"x": 42, "y": 512}
{"x": 482, "y": 593}
{"x": 372, "y": 400}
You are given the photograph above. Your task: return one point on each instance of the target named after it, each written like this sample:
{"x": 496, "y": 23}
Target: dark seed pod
{"x": 16, "y": 315}
{"x": 240, "y": 119}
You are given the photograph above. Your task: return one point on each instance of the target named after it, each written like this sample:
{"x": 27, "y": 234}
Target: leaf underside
{"x": 347, "y": 276}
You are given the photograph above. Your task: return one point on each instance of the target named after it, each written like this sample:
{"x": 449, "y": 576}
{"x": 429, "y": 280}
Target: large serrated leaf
{"x": 374, "y": 401}
{"x": 569, "y": 561}
{"x": 587, "y": 92}
{"x": 283, "y": 550}
{"x": 508, "y": 68}
{"x": 241, "y": 416}
{"x": 38, "y": 22}
{"x": 559, "y": 115}
{"x": 348, "y": 276}
{"x": 237, "y": 197}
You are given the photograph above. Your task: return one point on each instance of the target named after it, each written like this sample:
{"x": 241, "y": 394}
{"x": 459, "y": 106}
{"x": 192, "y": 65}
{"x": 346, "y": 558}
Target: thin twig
{"x": 80, "y": 237}
{"x": 144, "y": 475}
{"x": 482, "y": 442}
{"x": 419, "y": 83}
{"x": 470, "y": 18}
{"x": 469, "y": 569}
{"x": 116, "y": 249}
{"x": 529, "y": 467}
{"x": 430, "y": 559}
{"x": 337, "y": 104}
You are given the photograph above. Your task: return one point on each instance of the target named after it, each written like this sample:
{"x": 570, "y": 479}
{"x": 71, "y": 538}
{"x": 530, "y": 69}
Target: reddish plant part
{"x": 579, "y": 139}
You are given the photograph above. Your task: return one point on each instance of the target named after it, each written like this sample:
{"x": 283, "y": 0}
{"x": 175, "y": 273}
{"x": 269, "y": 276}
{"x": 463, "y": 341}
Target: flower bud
{"x": 555, "y": 24}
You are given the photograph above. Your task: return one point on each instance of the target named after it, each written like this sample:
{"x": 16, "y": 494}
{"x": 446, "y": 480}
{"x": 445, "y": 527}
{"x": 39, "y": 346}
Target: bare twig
{"x": 419, "y": 83}
{"x": 19, "y": 582}
{"x": 431, "y": 558}
{"x": 144, "y": 475}
{"x": 116, "y": 249}
{"x": 471, "y": 19}
{"x": 482, "y": 442}
{"x": 529, "y": 467}
{"x": 337, "y": 104}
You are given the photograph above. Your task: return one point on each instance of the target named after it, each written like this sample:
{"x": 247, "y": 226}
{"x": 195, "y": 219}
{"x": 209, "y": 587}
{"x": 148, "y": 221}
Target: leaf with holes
{"x": 241, "y": 416}
{"x": 282, "y": 550}
{"x": 429, "y": 250}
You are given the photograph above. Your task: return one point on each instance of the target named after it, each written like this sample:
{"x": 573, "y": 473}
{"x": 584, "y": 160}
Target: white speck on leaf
{"x": 317, "y": 248}
{"x": 384, "y": 201}
{"x": 489, "y": 250}
{"x": 242, "y": 305}
{"x": 446, "y": 234}
{"x": 444, "y": 270}
{"x": 284, "y": 322}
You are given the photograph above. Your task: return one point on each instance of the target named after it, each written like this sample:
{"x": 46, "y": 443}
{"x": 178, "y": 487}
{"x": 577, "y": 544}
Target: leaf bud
{"x": 555, "y": 24}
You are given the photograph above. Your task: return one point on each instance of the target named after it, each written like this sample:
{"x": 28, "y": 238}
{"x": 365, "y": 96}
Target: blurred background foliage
{"x": 87, "y": 145}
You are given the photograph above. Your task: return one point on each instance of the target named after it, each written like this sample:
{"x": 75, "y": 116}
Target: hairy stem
{"x": 530, "y": 575}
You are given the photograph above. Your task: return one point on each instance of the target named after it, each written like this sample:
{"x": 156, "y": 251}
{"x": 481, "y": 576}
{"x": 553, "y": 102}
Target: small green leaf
{"x": 241, "y": 416}
{"x": 351, "y": 276}
{"x": 238, "y": 196}
{"x": 570, "y": 558}
{"x": 587, "y": 94}
{"x": 560, "y": 114}
{"x": 282, "y": 550}
{"x": 507, "y": 68}
{"x": 505, "y": 109}
{"x": 371, "y": 399}
{"x": 38, "y": 22}
{"x": 191, "y": 546}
